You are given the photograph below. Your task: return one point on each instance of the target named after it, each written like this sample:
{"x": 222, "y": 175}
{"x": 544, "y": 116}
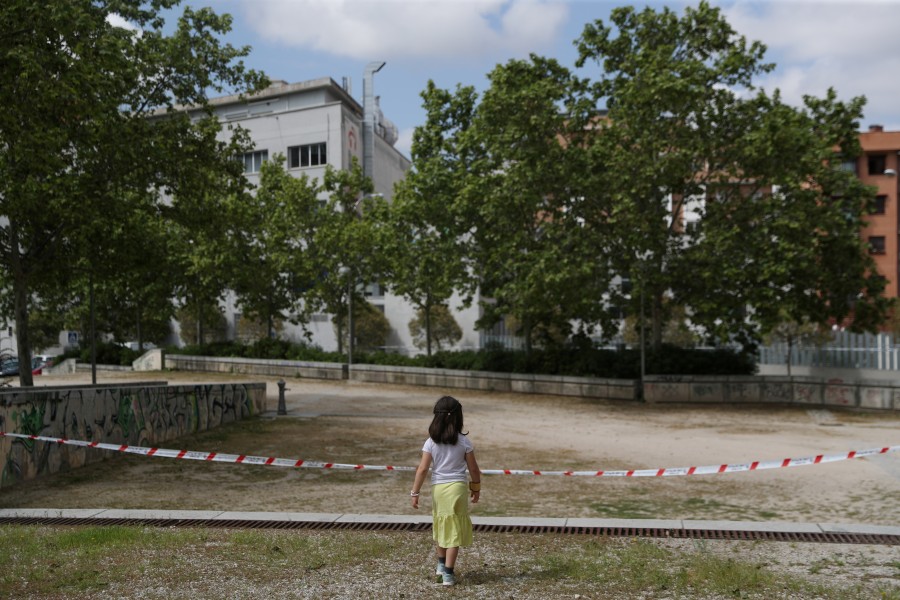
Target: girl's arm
{"x": 421, "y": 472}
{"x": 475, "y": 475}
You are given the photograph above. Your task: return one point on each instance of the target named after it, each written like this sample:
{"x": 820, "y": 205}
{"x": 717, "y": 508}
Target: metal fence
{"x": 845, "y": 350}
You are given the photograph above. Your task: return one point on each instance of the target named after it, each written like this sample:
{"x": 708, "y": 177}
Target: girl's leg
{"x": 441, "y": 552}
{"x": 451, "y": 554}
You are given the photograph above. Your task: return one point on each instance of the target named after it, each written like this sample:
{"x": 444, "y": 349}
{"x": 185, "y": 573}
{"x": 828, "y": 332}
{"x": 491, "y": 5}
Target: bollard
{"x": 282, "y": 409}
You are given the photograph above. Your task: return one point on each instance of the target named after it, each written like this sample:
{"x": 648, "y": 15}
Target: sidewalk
{"x": 501, "y": 523}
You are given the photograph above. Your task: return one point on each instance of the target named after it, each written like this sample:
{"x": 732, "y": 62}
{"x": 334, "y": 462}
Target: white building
{"x": 317, "y": 123}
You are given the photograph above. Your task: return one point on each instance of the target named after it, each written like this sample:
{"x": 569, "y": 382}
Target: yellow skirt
{"x": 452, "y": 526}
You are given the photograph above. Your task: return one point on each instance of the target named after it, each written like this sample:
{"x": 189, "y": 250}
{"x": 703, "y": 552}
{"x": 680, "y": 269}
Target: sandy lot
{"x": 348, "y": 422}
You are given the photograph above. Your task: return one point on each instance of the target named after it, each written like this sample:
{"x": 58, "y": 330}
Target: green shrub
{"x": 108, "y": 353}
{"x": 574, "y": 360}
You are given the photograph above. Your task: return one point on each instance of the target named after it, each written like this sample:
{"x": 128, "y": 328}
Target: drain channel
{"x": 641, "y": 532}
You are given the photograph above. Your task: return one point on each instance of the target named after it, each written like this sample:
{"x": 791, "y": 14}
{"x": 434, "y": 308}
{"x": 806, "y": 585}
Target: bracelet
{"x": 414, "y": 494}
{"x": 474, "y": 486}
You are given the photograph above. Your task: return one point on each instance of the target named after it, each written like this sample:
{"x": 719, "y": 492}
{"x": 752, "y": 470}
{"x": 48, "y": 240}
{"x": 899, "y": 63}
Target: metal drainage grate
{"x": 647, "y": 532}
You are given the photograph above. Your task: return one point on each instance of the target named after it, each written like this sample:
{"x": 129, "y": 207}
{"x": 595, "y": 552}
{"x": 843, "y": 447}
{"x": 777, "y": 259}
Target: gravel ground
{"x": 383, "y": 425}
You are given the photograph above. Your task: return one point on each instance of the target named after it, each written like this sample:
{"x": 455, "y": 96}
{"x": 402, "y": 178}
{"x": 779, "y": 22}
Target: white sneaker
{"x": 449, "y": 578}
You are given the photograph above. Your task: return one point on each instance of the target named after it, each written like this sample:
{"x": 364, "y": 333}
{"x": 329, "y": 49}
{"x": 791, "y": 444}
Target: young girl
{"x": 451, "y": 453}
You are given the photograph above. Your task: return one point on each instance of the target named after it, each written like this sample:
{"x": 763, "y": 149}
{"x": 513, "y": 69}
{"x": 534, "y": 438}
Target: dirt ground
{"x": 348, "y": 422}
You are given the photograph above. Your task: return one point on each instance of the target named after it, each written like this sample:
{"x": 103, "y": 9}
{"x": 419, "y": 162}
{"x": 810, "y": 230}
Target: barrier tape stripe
{"x": 312, "y": 464}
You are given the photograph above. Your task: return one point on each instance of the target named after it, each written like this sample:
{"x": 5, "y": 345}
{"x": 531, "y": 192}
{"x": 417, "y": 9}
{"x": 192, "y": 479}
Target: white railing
{"x": 846, "y": 350}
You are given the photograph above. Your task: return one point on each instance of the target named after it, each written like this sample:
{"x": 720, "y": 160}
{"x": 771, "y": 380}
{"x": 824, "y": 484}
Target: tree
{"x": 426, "y": 245}
{"x": 441, "y": 329}
{"x": 200, "y": 218}
{"x": 270, "y": 239}
{"x": 75, "y": 133}
{"x": 349, "y": 245}
{"x": 214, "y": 327}
{"x": 686, "y": 130}
{"x": 793, "y": 333}
{"x": 370, "y": 327}
{"x": 529, "y": 251}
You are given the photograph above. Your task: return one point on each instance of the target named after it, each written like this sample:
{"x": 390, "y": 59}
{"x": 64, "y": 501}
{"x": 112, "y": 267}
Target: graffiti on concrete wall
{"x": 136, "y": 416}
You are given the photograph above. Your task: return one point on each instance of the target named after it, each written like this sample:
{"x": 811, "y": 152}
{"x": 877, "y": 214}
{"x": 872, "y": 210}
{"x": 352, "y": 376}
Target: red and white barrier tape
{"x": 313, "y": 464}
{"x": 208, "y": 456}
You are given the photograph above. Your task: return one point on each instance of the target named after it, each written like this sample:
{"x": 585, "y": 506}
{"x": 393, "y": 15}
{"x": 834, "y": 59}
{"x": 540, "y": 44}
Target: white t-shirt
{"x": 448, "y": 463}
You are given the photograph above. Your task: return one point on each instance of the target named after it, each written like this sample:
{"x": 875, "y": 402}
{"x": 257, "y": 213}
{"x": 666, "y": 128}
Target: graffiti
{"x": 142, "y": 416}
{"x": 839, "y": 394}
{"x": 127, "y": 418}
{"x": 704, "y": 391}
{"x": 29, "y": 422}
{"x": 778, "y": 392}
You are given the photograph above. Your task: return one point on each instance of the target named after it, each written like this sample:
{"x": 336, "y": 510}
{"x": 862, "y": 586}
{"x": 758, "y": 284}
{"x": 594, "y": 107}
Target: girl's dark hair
{"x": 448, "y": 421}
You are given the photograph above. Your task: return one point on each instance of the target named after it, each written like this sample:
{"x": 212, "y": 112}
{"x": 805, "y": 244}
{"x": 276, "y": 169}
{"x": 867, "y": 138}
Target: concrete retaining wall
{"x": 750, "y": 389}
{"x": 587, "y": 387}
{"x": 253, "y": 366}
{"x": 136, "y": 414}
{"x": 811, "y": 391}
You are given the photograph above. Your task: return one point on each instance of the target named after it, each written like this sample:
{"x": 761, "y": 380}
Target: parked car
{"x": 39, "y": 362}
{"x": 9, "y": 368}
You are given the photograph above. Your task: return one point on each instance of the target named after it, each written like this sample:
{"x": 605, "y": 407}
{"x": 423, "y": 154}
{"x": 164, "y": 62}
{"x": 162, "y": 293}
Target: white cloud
{"x": 118, "y": 21}
{"x": 414, "y": 29}
{"x": 404, "y": 141}
{"x": 851, "y": 46}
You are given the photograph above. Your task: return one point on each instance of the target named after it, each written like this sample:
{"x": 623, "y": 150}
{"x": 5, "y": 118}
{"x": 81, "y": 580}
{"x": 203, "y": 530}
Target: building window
{"x": 848, "y": 165}
{"x": 253, "y": 160}
{"x": 877, "y": 164}
{"x": 308, "y": 155}
{"x": 876, "y": 244}
{"x": 880, "y": 202}
{"x": 374, "y": 290}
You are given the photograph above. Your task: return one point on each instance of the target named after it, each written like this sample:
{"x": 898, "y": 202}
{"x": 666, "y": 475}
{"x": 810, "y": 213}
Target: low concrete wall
{"x": 748, "y": 389}
{"x": 589, "y": 387}
{"x": 806, "y": 391}
{"x": 136, "y": 414}
{"x": 253, "y": 366}
{"x": 586, "y": 387}
{"x": 151, "y": 360}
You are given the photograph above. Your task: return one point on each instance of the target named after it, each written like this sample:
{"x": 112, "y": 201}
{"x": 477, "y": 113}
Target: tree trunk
{"x": 428, "y": 327}
{"x": 656, "y": 316}
{"x": 140, "y": 332}
{"x": 790, "y": 345}
{"x": 20, "y": 307}
{"x": 526, "y": 331}
{"x": 340, "y": 335}
{"x": 199, "y": 323}
{"x": 93, "y": 333}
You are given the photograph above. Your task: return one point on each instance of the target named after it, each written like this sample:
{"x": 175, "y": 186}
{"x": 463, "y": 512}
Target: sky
{"x": 850, "y": 45}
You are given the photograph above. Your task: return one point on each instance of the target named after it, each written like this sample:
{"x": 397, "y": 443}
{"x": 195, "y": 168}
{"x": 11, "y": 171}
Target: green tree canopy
{"x": 75, "y": 133}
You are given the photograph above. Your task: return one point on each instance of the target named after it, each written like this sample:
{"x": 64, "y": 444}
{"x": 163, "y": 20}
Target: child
{"x": 451, "y": 452}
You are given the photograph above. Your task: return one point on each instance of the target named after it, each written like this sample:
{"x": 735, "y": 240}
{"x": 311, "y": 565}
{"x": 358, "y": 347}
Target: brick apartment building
{"x": 878, "y": 166}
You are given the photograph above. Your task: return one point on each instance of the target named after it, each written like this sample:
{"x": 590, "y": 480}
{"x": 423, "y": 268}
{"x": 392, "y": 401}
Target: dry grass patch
{"x": 122, "y": 562}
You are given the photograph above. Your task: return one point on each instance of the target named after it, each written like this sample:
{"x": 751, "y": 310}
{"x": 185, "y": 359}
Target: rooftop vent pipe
{"x": 369, "y": 117}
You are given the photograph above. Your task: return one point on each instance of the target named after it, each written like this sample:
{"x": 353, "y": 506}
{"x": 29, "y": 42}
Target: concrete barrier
{"x": 800, "y": 391}
{"x": 136, "y": 414}
{"x": 254, "y": 366}
{"x": 743, "y": 389}
{"x": 587, "y": 387}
